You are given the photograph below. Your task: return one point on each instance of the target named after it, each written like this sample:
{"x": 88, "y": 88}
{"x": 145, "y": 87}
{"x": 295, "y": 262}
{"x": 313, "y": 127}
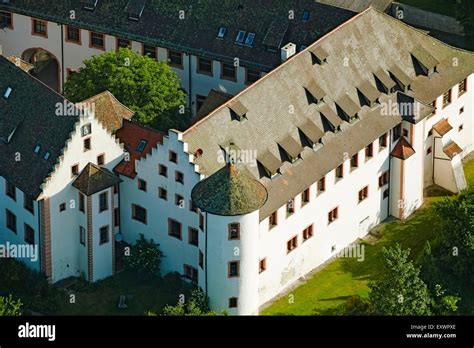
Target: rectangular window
{"x": 62, "y": 207}
{"x": 163, "y": 193}
{"x": 204, "y": 66}
{"x": 340, "y": 172}
{"x": 190, "y": 273}
{"x": 142, "y": 186}
{"x": 233, "y": 269}
{"x": 179, "y": 177}
{"x": 87, "y": 144}
{"x": 322, "y": 185}
{"x": 116, "y": 217}
{"x": 429, "y": 151}
{"x": 273, "y": 219}
{"x": 163, "y": 170}
{"x": 39, "y": 27}
{"x": 82, "y": 203}
{"x": 447, "y": 98}
{"x": 234, "y": 231}
{"x": 251, "y": 76}
{"x": 176, "y": 59}
{"x": 386, "y": 193}
{"x": 363, "y": 194}
{"x": 233, "y": 302}
{"x": 193, "y": 236}
{"x": 369, "y": 151}
{"x": 101, "y": 159}
{"x": 149, "y": 51}
{"x": 174, "y": 228}
{"x": 179, "y": 200}
{"x": 11, "y": 221}
{"x": 104, "y": 235}
{"x": 73, "y": 35}
{"x": 355, "y": 161}
{"x": 139, "y": 214}
{"x": 201, "y": 259}
{"x": 462, "y": 87}
{"x": 6, "y": 18}
{"x": 123, "y": 43}
{"x": 397, "y": 132}
{"x": 173, "y": 157}
{"x": 192, "y": 207}
{"x": 333, "y": 215}
{"x": 228, "y": 72}
{"x": 461, "y": 110}
{"x": 82, "y": 235}
{"x": 405, "y": 132}
{"x": 383, "y": 179}
{"x": 103, "y": 202}
{"x": 307, "y": 233}
{"x": 29, "y": 236}
{"x": 262, "y": 265}
{"x": 292, "y": 244}
{"x": 201, "y": 222}
{"x": 74, "y": 170}
{"x": 461, "y": 127}
{"x": 97, "y": 40}
{"x": 28, "y": 203}
{"x": 290, "y": 207}
{"x": 383, "y": 140}
{"x": 305, "y": 197}
{"x": 86, "y": 130}
{"x": 10, "y": 190}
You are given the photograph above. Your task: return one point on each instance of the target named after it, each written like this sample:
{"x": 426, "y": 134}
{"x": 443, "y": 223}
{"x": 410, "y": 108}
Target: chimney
{"x": 287, "y": 51}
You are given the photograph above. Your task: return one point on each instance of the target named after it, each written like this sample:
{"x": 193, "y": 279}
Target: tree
{"x": 144, "y": 257}
{"x": 400, "y": 291}
{"x": 10, "y": 307}
{"x": 465, "y": 15}
{"x": 198, "y": 305}
{"x": 148, "y": 87}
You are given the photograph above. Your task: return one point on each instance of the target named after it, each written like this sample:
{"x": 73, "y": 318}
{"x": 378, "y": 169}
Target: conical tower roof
{"x": 230, "y": 191}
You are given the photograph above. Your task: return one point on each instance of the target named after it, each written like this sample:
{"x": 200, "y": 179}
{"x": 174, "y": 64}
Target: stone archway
{"x": 46, "y": 66}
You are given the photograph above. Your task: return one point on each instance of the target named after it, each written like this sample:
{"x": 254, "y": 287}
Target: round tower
{"x": 231, "y": 199}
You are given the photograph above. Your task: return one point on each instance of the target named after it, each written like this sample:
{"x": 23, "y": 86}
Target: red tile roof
{"x": 131, "y": 134}
{"x": 403, "y": 149}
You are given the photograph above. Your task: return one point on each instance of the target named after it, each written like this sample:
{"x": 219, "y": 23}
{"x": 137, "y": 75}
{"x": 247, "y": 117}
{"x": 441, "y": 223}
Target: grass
{"x": 444, "y": 7}
{"x": 142, "y": 295}
{"x": 329, "y": 288}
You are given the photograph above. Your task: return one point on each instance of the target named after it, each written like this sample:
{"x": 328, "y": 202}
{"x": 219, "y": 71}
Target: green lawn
{"x": 329, "y": 288}
{"x": 444, "y": 7}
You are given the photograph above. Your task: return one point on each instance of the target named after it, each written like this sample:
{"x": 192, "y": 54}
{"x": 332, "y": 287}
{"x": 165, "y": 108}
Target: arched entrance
{"x": 46, "y": 66}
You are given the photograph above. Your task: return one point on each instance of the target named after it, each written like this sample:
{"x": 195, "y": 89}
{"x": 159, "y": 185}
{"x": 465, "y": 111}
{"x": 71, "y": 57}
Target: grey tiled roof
{"x": 196, "y": 33}
{"x": 28, "y": 119}
{"x": 94, "y": 179}
{"x": 277, "y": 104}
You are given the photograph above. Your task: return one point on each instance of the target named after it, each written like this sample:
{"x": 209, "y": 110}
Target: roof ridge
{"x": 281, "y": 66}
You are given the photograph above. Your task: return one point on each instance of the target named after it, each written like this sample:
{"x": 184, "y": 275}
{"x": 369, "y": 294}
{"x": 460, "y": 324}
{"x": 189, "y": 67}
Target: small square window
{"x": 228, "y": 72}
{"x": 176, "y": 59}
{"x": 139, "y": 214}
{"x": 40, "y": 28}
{"x": 383, "y": 179}
{"x": 369, "y": 151}
{"x": 383, "y": 141}
{"x": 179, "y": 200}
{"x": 101, "y": 160}
{"x": 461, "y": 127}
{"x": 363, "y": 194}
{"x": 142, "y": 185}
{"x": 174, "y": 228}
{"x": 447, "y": 98}
{"x": 355, "y": 161}
{"x": 290, "y": 207}
{"x": 233, "y": 269}
{"x": 430, "y": 150}
{"x": 322, "y": 185}
{"x": 29, "y": 234}
{"x": 97, "y": 40}
{"x": 104, "y": 235}
{"x": 87, "y": 144}
{"x": 193, "y": 236}
{"x": 163, "y": 193}
{"x": 233, "y": 302}
{"x": 292, "y": 244}
{"x": 10, "y": 190}
{"x": 123, "y": 43}
{"x": 173, "y": 157}
{"x": 307, "y": 233}
{"x": 273, "y": 219}
{"x": 74, "y": 170}
{"x": 179, "y": 177}
{"x": 82, "y": 235}
{"x": 149, "y": 51}
{"x": 11, "y": 221}
{"x": 234, "y": 231}
{"x": 201, "y": 259}
{"x": 204, "y": 66}
{"x": 333, "y": 215}
{"x": 62, "y": 207}
{"x": 340, "y": 172}
{"x": 103, "y": 202}
{"x": 461, "y": 110}
{"x": 163, "y": 170}
{"x": 305, "y": 197}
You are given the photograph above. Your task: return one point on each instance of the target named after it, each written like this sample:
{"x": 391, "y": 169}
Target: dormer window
{"x": 89, "y": 5}
{"x": 221, "y": 32}
{"x": 7, "y": 93}
{"x": 319, "y": 55}
{"x": 250, "y": 39}
{"x": 424, "y": 62}
{"x": 37, "y": 149}
{"x": 141, "y": 145}
{"x": 238, "y": 110}
{"x": 135, "y": 9}
{"x": 306, "y": 15}
{"x": 46, "y": 156}
{"x": 240, "y": 37}
{"x": 314, "y": 93}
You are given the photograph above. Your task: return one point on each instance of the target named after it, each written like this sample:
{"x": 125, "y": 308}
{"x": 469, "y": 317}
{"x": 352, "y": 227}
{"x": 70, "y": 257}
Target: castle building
{"x": 258, "y": 192}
